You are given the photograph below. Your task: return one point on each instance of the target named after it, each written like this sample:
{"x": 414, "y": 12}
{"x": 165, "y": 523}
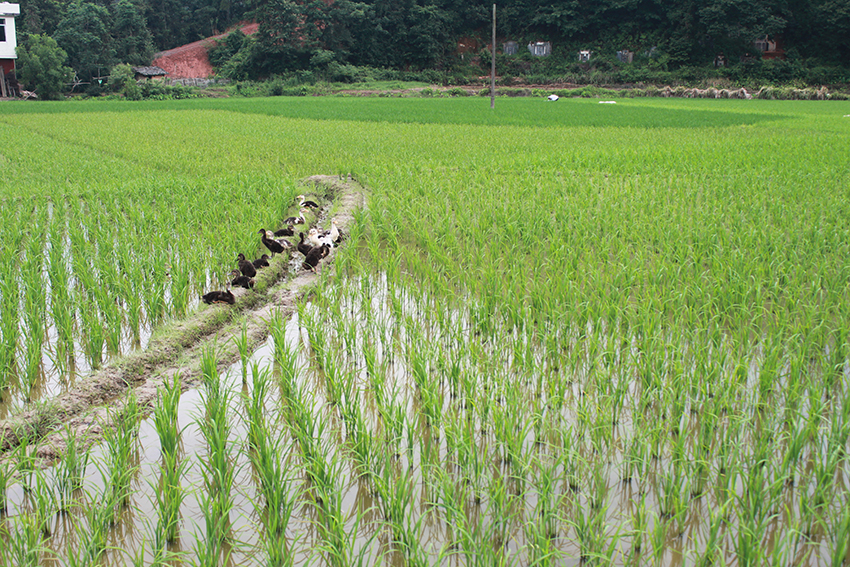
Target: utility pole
{"x": 493, "y": 63}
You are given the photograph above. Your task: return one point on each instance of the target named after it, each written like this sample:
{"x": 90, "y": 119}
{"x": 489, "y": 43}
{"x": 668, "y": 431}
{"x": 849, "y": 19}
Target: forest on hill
{"x": 337, "y": 39}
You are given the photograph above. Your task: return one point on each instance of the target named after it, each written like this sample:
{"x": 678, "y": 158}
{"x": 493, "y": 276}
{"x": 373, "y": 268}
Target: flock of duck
{"x": 316, "y": 246}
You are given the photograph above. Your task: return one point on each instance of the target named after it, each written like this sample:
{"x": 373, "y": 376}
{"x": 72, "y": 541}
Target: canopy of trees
{"x": 423, "y": 34}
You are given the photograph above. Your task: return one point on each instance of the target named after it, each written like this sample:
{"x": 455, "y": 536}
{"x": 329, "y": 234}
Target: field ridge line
{"x": 87, "y": 407}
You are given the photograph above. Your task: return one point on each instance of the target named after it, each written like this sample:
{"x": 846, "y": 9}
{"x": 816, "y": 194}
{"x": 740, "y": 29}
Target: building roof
{"x": 150, "y": 71}
{"x": 9, "y": 9}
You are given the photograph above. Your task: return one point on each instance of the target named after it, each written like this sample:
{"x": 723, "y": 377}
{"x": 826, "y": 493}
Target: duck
{"x": 261, "y": 262}
{"x": 333, "y": 233}
{"x": 246, "y": 267}
{"x": 311, "y": 260}
{"x": 288, "y": 231}
{"x": 219, "y": 297}
{"x": 274, "y": 246}
{"x": 313, "y": 238}
{"x": 325, "y": 238}
{"x": 303, "y": 246}
{"x": 241, "y": 281}
{"x": 307, "y": 204}
{"x": 296, "y": 220}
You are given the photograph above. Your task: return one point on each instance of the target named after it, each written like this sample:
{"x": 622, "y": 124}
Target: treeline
{"x": 339, "y": 38}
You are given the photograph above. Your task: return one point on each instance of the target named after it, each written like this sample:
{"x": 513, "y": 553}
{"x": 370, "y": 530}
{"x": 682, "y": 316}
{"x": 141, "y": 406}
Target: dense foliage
{"x": 43, "y": 66}
{"x": 334, "y": 38}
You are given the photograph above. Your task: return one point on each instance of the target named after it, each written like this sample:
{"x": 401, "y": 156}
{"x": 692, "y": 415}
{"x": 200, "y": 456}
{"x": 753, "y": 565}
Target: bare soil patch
{"x": 191, "y": 61}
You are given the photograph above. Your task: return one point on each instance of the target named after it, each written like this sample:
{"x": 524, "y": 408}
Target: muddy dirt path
{"x": 178, "y": 346}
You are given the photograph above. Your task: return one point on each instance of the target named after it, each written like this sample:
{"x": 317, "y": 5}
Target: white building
{"x": 8, "y": 39}
{"x": 8, "y": 46}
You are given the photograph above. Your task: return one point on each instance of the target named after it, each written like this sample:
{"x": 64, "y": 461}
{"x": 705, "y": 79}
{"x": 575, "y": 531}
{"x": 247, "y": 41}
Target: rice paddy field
{"x": 561, "y": 333}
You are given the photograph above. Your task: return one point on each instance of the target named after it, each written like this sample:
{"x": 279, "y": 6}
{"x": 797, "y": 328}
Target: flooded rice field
{"x": 383, "y": 424}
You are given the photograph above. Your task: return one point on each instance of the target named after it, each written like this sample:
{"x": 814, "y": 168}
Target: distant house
{"x": 540, "y": 48}
{"x": 145, "y": 73}
{"x": 584, "y": 56}
{"x": 770, "y": 49}
{"x": 8, "y": 43}
{"x": 625, "y": 56}
{"x": 510, "y": 48}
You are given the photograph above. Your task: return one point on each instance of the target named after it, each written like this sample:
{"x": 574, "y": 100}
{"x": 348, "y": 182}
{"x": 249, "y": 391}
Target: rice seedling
{"x": 278, "y": 502}
{"x": 24, "y": 545}
{"x": 92, "y": 529}
{"x": 658, "y": 538}
{"x": 25, "y": 458}
{"x": 165, "y": 416}
{"x": 44, "y": 504}
{"x": 70, "y": 470}
{"x": 217, "y": 468}
{"x": 285, "y": 355}
{"x": 120, "y": 466}
{"x": 840, "y": 539}
{"x": 242, "y": 344}
{"x": 210, "y": 550}
{"x": 7, "y": 470}
{"x": 169, "y": 496}
{"x": 93, "y": 339}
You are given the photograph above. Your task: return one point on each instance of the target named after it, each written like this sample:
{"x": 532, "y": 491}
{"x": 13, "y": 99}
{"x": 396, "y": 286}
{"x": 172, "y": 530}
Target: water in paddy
{"x": 453, "y": 439}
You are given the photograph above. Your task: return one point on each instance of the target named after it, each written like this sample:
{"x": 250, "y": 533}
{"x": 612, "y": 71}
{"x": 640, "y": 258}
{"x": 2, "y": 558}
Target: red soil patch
{"x": 190, "y": 61}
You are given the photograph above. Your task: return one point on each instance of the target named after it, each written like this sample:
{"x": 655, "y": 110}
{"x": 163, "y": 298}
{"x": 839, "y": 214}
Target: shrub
{"x": 41, "y": 64}
{"x": 456, "y": 91}
{"x": 157, "y": 90}
{"x": 223, "y": 50}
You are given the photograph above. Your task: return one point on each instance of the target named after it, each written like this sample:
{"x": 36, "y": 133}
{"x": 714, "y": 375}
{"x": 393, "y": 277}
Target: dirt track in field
{"x": 88, "y": 408}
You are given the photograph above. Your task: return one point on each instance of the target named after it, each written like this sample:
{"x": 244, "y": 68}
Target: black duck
{"x": 246, "y": 267}
{"x": 219, "y": 297}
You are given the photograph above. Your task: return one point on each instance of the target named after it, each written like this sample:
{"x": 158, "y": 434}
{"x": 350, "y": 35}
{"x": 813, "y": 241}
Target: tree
{"x": 84, "y": 34}
{"x": 288, "y": 34}
{"x": 132, "y": 39}
{"x": 829, "y": 36}
{"x": 121, "y": 80}
{"x": 40, "y": 16}
{"x": 41, "y": 66}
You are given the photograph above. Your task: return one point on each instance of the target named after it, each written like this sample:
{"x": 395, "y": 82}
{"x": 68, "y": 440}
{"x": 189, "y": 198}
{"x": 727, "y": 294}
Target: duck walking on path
{"x": 296, "y": 220}
{"x": 241, "y": 281}
{"x": 274, "y": 246}
{"x": 308, "y": 204}
{"x": 303, "y": 246}
{"x": 311, "y": 260}
{"x": 332, "y": 234}
{"x": 261, "y": 262}
{"x": 246, "y": 267}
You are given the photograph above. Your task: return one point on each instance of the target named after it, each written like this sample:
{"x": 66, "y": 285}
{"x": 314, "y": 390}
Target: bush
{"x": 41, "y": 66}
{"x": 122, "y": 80}
{"x": 157, "y": 90}
{"x": 456, "y": 91}
{"x": 275, "y": 87}
{"x": 239, "y": 66}
{"x": 132, "y": 91}
{"x": 220, "y": 53}
{"x": 119, "y": 77}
